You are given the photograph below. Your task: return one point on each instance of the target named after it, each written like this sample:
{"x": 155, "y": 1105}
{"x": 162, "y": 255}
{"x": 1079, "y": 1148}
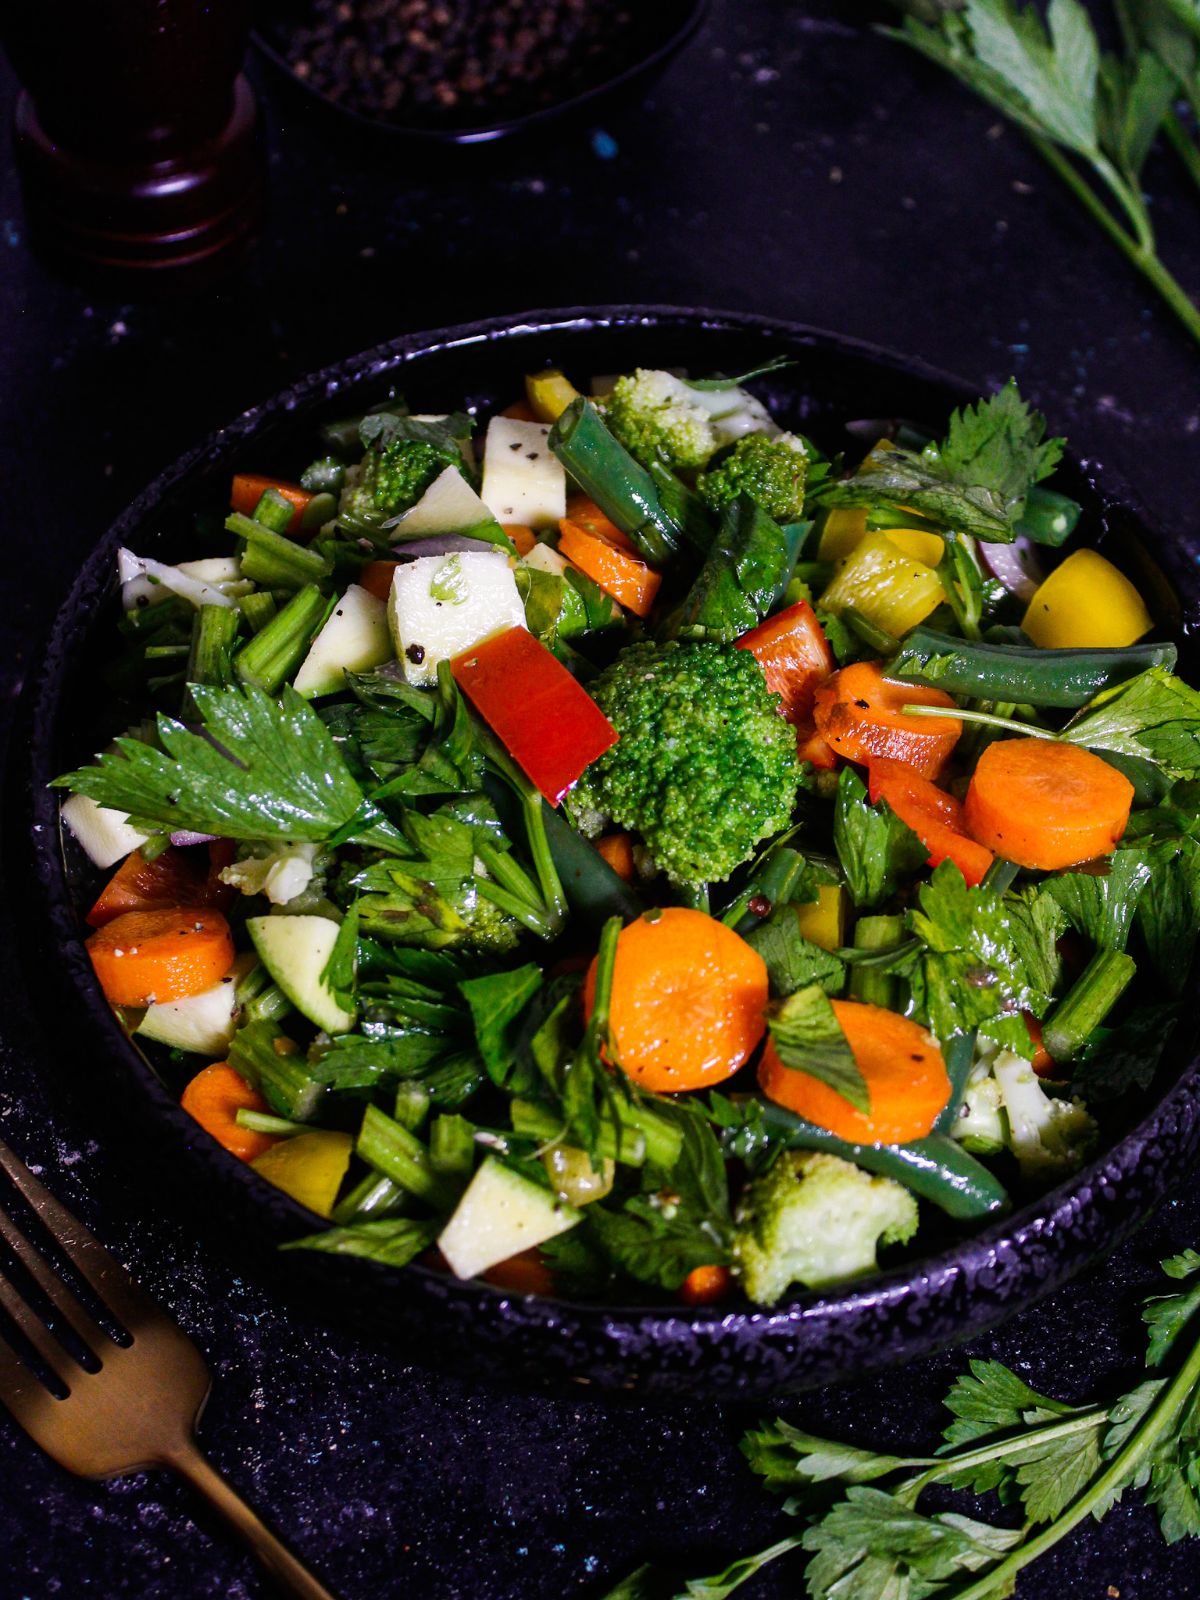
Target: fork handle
{"x": 290, "y": 1576}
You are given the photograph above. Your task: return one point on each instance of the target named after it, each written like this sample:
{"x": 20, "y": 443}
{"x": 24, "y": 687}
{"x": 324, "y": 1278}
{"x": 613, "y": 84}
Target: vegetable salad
{"x": 615, "y": 847}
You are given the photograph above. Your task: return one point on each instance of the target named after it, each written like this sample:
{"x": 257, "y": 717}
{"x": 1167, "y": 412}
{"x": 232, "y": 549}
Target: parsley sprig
{"x": 867, "y": 1538}
{"x": 1092, "y": 118}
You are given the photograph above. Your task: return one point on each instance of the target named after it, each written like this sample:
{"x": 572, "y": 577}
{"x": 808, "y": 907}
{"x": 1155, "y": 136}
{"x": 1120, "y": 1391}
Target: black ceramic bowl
{"x": 963, "y": 1287}
{"x": 663, "y": 28}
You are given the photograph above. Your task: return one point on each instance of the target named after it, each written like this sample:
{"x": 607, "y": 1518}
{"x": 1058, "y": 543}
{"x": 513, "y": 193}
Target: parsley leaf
{"x": 787, "y": 1458}
{"x": 261, "y": 769}
{"x": 1036, "y": 923}
{"x": 808, "y": 1038}
{"x": 1154, "y": 717}
{"x": 1116, "y": 1060}
{"x": 1101, "y": 905}
{"x": 1168, "y": 1316}
{"x": 793, "y": 961}
{"x": 877, "y": 851}
{"x": 975, "y": 482}
{"x": 971, "y": 975}
{"x": 1168, "y": 913}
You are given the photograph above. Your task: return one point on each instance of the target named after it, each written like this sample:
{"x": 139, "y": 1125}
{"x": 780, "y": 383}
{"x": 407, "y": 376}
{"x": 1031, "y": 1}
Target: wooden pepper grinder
{"x": 136, "y": 133}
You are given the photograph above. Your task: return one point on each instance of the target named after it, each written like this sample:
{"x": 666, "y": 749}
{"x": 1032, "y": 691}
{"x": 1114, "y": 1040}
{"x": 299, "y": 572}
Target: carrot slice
{"x": 688, "y": 1000}
{"x": 794, "y": 654}
{"x": 249, "y": 488}
{"x": 617, "y": 850}
{"x": 376, "y": 578}
{"x": 1046, "y": 805}
{"x": 522, "y": 536}
{"x": 626, "y": 577}
{"x": 526, "y": 1273}
{"x": 214, "y": 1097}
{"x": 904, "y": 1072}
{"x": 160, "y": 955}
{"x": 933, "y": 815}
{"x": 860, "y": 713}
{"x": 141, "y": 885}
{"x": 704, "y": 1286}
{"x": 586, "y": 514}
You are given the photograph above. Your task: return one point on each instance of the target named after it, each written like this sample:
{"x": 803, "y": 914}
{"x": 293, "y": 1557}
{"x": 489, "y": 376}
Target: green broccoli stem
{"x": 620, "y": 486}
{"x": 273, "y": 560}
{"x": 1061, "y": 679}
{"x": 868, "y": 983}
{"x": 399, "y": 1155}
{"x": 1049, "y": 518}
{"x": 936, "y": 1168}
{"x": 1088, "y": 1001}
{"x": 275, "y": 652}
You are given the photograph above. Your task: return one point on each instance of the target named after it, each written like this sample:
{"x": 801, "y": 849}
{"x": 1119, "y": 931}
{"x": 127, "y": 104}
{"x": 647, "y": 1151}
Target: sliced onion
{"x": 183, "y": 838}
{"x": 1014, "y": 565}
{"x": 443, "y": 544}
{"x": 133, "y": 571}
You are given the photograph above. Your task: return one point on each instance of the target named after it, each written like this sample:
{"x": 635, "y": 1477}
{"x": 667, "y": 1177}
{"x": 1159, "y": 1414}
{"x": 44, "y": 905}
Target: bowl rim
{"x": 1027, "y": 1240}
{"x": 496, "y": 129}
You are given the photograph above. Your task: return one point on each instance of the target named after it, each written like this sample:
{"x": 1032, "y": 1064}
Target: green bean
{"x": 1049, "y": 517}
{"x": 1020, "y": 673}
{"x": 620, "y": 486}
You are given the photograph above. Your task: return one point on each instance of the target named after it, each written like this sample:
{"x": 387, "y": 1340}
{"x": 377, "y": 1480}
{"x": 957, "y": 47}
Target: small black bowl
{"x": 963, "y": 1287}
{"x": 668, "y": 25}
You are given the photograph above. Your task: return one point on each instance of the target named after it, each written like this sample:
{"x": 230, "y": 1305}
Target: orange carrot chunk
{"x": 521, "y": 410}
{"x": 214, "y": 1097}
{"x": 249, "y": 488}
{"x": 704, "y": 1286}
{"x": 617, "y": 850}
{"x": 688, "y": 1000}
{"x": 860, "y": 714}
{"x": 626, "y": 577}
{"x": 522, "y": 536}
{"x": 376, "y": 578}
{"x": 141, "y": 885}
{"x": 586, "y": 514}
{"x": 904, "y": 1072}
{"x": 1046, "y": 805}
{"x": 526, "y": 1273}
{"x": 142, "y": 956}
{"x": 794, "y": 654}
{"x": 1043, "y": 1062}
{"x": 933, "y": 815}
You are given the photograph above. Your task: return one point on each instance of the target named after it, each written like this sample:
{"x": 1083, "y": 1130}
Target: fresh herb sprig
{"x": 866, "y": 1536}
{"x": 1093, "y": 119}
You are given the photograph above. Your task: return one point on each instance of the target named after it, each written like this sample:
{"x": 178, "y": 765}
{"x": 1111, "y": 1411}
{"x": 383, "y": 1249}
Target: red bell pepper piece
{"x": 933, "y": 815}
{"x": 794, "y": 654}
{"x": 550, "y": 726}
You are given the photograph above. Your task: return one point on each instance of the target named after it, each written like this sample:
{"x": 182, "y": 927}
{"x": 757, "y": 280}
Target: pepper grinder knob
{"x": 136, "y": 134}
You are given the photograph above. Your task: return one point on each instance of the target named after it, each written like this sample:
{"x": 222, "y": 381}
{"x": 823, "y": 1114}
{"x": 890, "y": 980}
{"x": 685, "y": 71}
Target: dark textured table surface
{"x": 788, "y": 162}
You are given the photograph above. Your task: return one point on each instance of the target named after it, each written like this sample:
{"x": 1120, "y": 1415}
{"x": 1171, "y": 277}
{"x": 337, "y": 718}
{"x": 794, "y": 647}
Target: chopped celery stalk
{"x": 262, "y": 1122}
{"x": 274, "y": 511}
{"x": 267, "y": 1059}
{"x": 1089, "y": 1000}
{"x": 258, "y": 609}
{"x": 867, "y": 983}
{"x": 373, "y": 1196}
{"x": 452, "y": 1145}
{"x": 273, "y": 560}
{"x": 400, "y": 1156}
{"x": 412, "y": 1104}
{"x": 210, "y": 659}
{"x": 274, "y": 653}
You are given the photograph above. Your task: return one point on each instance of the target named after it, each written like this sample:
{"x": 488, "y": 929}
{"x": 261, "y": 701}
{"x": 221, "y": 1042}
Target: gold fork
{"x": 140, "y": 1407}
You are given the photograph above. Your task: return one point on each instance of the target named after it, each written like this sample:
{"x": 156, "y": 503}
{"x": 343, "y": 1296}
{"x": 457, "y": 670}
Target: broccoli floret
{"x": 771, "y": 471}
{"x": 704, "y": 766}
{"x": 980, "y": 1125}
{"x": 816, "y": 1219}
{"x": 659, "y": 417}
{"x": 392, "y": 477}
{"x": 1050, "y": 1138}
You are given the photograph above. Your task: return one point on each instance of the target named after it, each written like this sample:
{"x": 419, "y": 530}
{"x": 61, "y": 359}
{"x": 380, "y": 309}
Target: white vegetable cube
{"x": 355, "y": 638}
{"x": 544, "y": 558}
{"x": 500, "y": 1214}
{"x": 449, "y": 505}
{"x": 105, "y": 834}
{"x": 523, "y": 480}
{"x": 203, "y": 1023}
{"x": 442, "y": 605}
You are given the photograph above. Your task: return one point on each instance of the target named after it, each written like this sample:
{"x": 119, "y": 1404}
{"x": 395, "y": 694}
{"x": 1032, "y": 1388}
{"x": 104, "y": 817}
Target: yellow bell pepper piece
{"x": 891, "y": 589}
{"x": 845, "y": 529}
{"x": 310, "y": 1167}
{"x": 549, "y": 394}
{"x": 823, "y": 920}
{"x": 1086, "y": 604}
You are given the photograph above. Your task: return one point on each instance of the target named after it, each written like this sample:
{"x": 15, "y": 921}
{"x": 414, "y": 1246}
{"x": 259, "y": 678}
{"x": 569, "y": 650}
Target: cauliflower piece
{"x": 980, "y": 1125}
{"x": 1050, "y": 1138}
{"x": 704, "y": 766}
{"x": 816, "y": 1219}
{"x": 282, "y": 873}
{"x": 771, "y": 471}
{"x": 660, "y": 417}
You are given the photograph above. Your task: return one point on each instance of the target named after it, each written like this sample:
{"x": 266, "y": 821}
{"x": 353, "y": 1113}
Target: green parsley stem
{"x": 1121, "y": 1470}
{"x": 1141, "y": 257}
{"x": 263, "y": 1122}
{"x": 985, "y": 717}
{"x": 1181, "y": 143}
{"x": 997, "y": 1449}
